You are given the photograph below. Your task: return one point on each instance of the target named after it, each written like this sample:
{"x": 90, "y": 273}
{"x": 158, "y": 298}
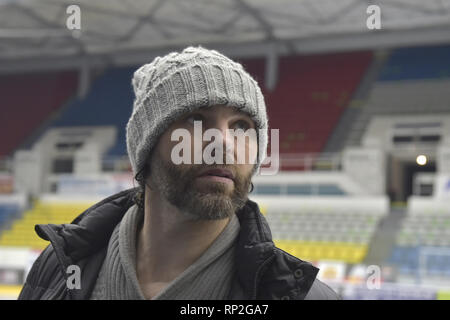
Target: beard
{"x": 178, "y": 184}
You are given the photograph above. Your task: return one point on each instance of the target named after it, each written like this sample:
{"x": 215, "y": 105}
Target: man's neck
{"x": 168, "y": 242}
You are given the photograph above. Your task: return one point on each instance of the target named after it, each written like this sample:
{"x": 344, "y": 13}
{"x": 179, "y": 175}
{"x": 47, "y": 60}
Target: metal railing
{"x": 311, "y": 161}
{"x": 298, "y": 161}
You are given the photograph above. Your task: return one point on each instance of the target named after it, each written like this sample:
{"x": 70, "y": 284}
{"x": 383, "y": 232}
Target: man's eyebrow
{"x": 241, "y": 113}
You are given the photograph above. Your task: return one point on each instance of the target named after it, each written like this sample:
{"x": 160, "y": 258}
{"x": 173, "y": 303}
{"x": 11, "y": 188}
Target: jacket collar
{"x": 258, "y": 260}
{"x": 266, "y": 271}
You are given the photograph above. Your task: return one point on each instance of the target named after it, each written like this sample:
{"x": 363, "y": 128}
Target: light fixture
{"x": 421, "y": 160}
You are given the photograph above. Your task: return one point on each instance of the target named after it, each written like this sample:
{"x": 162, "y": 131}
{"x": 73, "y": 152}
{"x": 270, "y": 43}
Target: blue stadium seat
{"x": 109, "y": 102}
{"x": 417, "y": 63}
{"x": 7, "y": 212}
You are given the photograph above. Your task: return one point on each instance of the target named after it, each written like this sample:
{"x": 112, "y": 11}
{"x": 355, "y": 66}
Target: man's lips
{"x": 219, "y": 173}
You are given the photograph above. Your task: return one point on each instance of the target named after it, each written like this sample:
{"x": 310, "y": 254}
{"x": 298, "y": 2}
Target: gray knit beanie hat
{"x": 178, "y": 83}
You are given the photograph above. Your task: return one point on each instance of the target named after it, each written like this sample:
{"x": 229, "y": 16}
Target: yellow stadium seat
{"x": 22, "y": 231}
{"x": 312, "y": 251}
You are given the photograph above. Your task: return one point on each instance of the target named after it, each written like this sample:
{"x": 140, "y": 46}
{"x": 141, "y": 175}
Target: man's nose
{"x": 226, "y": 139}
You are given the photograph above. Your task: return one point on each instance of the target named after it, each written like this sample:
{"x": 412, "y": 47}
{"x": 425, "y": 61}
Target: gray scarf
{"x": 209, "y": 277}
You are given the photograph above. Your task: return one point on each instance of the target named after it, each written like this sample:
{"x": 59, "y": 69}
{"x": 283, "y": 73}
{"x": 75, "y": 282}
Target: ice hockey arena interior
{"x": 363, "y": 186}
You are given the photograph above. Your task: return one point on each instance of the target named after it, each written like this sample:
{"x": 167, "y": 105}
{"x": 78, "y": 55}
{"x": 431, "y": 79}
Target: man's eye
{"x": 241, "y": 124}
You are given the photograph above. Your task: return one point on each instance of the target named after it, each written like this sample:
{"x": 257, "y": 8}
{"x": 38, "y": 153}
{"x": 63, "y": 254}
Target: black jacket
{"x": 263, "y": 271}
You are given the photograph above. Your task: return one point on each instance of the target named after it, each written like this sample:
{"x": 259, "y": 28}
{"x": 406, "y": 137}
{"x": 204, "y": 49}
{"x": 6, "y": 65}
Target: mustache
{"x": 195, "y": 170}
{"x": 202, "y": 169}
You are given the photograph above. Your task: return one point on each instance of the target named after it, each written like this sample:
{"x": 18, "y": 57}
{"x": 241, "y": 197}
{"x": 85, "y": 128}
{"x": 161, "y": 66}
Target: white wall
{"x": 91, "y": 185}
{"x": 442, "y": 187}
{"x": 28, "y": 171}
{"x": 362, "y": 204}
{"x": 31, "y": 167}
{"x": 367, "y": 167}
{"x": 443, "y": 159}
{"x": 428, "y": 205}
{"x": 16, "y": 198}
{"x": 381, "y": 129}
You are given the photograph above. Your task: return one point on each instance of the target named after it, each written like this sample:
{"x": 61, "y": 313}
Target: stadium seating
{"x": 409, "y": 97}
{"x": 314, "y": 251}
{"x": 417, "y": 63}
{"x": 324, "y": 232}
{"x": 310, "y": 96}
{"x": 407, "y": 259}
{"x": 109, "y": 102}
{"x": 43, "y": 212}
{"x": 28, "y": 100}
{"x": 413, "y": 81}
{"x": 303, "y": 104}
{"x": 424, "y": 232}
{"x": 11, "y": 207}
{"x": 7, "y": 213}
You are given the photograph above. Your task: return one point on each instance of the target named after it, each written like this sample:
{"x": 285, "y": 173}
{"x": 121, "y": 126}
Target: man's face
{"x": 193, "y": 188}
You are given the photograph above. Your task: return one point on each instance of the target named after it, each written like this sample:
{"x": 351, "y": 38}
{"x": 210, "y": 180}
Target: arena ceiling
{"x": 34, "y": 33}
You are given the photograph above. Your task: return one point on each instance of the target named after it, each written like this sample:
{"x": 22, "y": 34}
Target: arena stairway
{"x": 384, "y": 237}
{"x": 351, "y": 118}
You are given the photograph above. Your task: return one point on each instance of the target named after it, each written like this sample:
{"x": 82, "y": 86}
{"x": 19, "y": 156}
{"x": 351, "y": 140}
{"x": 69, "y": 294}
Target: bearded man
{"x": 189, "y": 230}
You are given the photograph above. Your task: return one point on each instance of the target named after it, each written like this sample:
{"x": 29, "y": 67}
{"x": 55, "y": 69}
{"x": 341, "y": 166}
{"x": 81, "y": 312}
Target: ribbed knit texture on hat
{"x": 178, "y": 83}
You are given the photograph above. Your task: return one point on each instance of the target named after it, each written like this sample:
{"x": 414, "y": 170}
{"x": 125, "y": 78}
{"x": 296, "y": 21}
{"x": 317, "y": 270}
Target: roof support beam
{"x": 271, "y": 70}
